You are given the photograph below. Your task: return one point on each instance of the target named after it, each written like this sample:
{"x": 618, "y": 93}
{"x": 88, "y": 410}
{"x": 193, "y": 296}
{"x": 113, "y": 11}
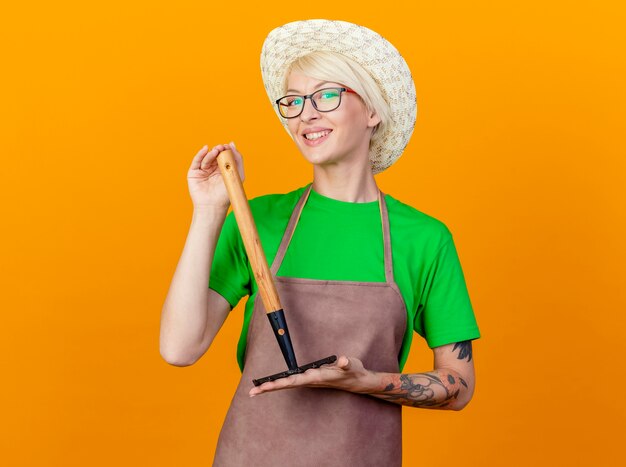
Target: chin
{"x": 313, "y": 155}
{"x": 317, "y": 158}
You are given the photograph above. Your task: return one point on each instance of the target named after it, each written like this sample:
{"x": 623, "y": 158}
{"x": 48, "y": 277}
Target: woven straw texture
{"x": 377, "y": 55}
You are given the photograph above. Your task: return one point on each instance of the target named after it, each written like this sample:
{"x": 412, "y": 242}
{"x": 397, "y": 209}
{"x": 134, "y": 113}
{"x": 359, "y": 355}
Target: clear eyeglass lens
{"x": 327, "y": 99}
{"x": 290, "y": 106}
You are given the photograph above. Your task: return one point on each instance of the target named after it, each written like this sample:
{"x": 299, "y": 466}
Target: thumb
{"x": 343, "y": 362}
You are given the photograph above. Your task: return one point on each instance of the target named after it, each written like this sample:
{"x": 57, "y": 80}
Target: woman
{"x": 357, "y": 271}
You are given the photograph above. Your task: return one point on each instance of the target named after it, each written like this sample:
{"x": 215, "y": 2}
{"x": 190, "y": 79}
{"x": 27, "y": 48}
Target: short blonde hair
{"x": 333, "y": 66}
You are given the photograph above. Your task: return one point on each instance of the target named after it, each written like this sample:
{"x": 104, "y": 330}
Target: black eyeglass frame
{"x": 308, "y": 96}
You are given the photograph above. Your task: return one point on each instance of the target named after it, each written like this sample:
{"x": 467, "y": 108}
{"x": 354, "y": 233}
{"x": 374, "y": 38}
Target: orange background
{"x": 518, "y": 147}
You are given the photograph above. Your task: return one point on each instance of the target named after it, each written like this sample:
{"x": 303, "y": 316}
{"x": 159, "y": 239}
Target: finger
{"x": 197, "y": 159}
{"x": 210, "y": 157}
{"x": 270, "y": 386}
{"x": 310, "y": 376}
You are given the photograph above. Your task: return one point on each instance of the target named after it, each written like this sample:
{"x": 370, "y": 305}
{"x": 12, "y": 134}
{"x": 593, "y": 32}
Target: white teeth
{"x": 319, "y": 134}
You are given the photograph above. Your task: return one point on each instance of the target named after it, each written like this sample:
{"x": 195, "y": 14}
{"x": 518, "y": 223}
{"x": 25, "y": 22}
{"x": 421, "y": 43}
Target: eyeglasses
{"x": 323, "y": 100}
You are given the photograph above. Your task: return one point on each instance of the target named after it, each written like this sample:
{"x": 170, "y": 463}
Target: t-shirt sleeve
{"x": 230, "y": 274}
{"x": 445, "y": 313}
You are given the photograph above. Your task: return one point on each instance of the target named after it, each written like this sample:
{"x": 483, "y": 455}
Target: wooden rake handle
{"x": 249, "y": 233}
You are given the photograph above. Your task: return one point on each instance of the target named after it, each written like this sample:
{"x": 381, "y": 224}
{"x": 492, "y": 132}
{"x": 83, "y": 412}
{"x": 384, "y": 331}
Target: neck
{"x": 347, "y": 182}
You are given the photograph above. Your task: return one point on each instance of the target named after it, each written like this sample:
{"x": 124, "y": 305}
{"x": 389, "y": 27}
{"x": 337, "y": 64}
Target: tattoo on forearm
{"x": 435, "y": 389}
{"x": 465, "y": 350}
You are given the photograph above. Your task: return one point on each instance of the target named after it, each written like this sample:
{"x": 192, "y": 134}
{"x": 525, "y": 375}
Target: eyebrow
{"x": 316, "y": 87}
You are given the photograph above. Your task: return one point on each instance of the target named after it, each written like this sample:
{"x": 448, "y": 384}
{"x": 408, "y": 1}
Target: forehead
{"x": 303, "y": 84}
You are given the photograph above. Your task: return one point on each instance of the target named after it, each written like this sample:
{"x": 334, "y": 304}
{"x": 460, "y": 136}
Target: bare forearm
{"x": 437, "y": 389}
{"x": 184, "y": 314}
{"x": 443, "y": 388}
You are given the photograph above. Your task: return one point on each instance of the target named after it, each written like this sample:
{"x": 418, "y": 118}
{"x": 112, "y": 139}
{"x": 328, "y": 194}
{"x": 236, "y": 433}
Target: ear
{"x": 372, "y": 119}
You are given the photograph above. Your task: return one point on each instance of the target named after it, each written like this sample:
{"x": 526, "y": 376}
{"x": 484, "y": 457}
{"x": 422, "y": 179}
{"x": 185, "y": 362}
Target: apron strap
{"x": 291, "y": 227}
{"x": 384, "y": 217}
{"x": 295, "y": 217}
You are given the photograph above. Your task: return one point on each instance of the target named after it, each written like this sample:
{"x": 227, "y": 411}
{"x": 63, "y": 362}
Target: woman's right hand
{"x": 204, "y": 178}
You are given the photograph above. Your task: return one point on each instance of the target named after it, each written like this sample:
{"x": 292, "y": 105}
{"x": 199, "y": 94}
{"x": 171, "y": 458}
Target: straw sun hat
{"x": 375, "y": 54}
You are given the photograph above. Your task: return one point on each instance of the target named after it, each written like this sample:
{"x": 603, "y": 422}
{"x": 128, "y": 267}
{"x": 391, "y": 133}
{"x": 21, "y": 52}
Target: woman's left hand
{"x": 347, "y": 374}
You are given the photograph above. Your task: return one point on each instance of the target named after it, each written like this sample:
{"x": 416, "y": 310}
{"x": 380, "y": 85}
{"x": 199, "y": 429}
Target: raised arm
{"x": 192, "y": 313}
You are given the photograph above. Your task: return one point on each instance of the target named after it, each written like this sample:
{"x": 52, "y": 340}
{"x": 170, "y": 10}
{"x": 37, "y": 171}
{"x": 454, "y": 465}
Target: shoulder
{"x": 267, "y": 209}
{"x": 405, "y": 220}
{"x": 271, "y": 212}
{"x": 275, "y": 201}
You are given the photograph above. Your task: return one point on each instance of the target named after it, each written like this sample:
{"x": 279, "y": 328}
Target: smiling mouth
{"x": 316, "y": 135}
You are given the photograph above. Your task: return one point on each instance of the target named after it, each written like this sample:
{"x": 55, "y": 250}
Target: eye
{"x": 329, "y": 94}
{"x": 293, "y": 101}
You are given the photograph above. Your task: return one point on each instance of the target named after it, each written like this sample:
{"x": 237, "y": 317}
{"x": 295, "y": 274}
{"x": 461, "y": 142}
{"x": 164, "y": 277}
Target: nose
{"x": 308, "y": 111}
